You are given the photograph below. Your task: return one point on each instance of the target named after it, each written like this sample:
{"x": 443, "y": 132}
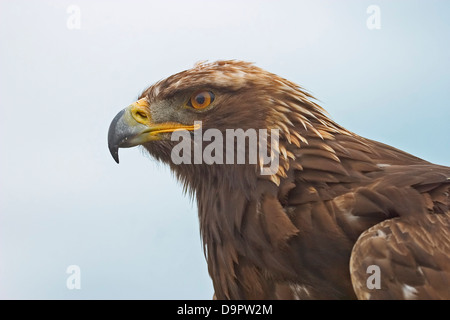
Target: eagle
{"x": 340, "y": 217}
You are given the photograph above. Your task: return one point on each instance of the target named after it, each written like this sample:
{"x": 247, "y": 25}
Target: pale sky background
{"x": 63, "y": 199}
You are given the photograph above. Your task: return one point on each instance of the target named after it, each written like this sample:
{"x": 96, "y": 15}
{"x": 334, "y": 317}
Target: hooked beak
{"x": 133, "y": 126}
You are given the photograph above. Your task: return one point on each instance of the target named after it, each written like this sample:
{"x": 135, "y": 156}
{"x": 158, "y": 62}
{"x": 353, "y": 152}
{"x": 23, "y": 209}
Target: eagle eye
{"x": 201, "y": 99}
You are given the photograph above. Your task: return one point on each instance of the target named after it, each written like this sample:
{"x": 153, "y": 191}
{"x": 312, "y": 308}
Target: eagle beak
{"x": 128, "y": 128}
{"x": 133, "y": 126}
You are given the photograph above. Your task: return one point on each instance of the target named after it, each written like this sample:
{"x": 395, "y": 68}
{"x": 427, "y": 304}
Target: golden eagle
{"x": 341, "y": 217}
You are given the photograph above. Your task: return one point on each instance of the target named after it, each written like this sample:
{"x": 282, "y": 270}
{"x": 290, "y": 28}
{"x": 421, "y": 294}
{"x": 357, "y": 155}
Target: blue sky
{"x": 130, "y": 229}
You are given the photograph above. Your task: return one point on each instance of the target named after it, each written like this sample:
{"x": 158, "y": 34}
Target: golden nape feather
{"x": 337, "y": 217}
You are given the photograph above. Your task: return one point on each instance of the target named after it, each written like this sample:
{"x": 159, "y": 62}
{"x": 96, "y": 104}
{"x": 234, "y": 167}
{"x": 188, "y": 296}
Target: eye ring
{"x": 201, "y": 99}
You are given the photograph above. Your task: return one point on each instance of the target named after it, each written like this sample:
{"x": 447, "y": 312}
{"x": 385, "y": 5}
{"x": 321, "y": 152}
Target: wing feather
{"x": 413, "y": 256}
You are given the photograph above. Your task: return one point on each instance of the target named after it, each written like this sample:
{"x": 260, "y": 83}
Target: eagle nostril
{"x": 139, "y": 115}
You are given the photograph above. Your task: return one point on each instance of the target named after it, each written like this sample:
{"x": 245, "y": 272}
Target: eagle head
{"x": 222, "y": 95}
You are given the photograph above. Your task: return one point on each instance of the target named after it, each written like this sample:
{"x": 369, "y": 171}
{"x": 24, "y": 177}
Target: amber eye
{"x": 201, "y": 99}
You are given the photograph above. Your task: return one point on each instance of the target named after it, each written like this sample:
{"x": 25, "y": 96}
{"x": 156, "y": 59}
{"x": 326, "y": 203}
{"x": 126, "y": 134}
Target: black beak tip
{"x": 113, "y": 138}
{"x": 114, "y": 150}
{"x": 115, "y": 154}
